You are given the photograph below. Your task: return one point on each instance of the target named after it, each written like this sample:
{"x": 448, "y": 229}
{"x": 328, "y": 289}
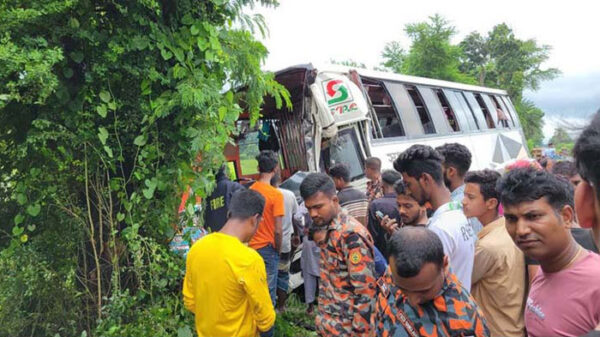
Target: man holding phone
{"x": 385, "y": 206}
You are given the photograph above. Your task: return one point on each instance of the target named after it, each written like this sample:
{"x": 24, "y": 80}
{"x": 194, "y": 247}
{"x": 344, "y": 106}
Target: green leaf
{"x": 222, "y": 112}
{"x": 202, "y": 43}
{"x": 112, "y": 105}
{"x": 108, "y": 151}
{"x": 151, "y": 184}
{"x": 194, "y": 30}
{"x": 16, "y": 230}
{"x": 83, "y": 333}
{"x": 34, "y": 210}
{"x": 103, "y": 135}
{"x": 101, "y": 110}
{"x": 24, "y": 238}
{"x": 73, "y": 23}
{"x": 178, "y": 54}
{"x": 187, "y": 19}
{"x": 148, "y": 193}
{"x": 19, "y": 219}
{"x": 166, "y": 55}
{"x": 120, "y": 216}
{"x": 139, "y": 140}
{"x": 21, "y": 199}
{"x": 105, "y": 96}
{"x": 31, "y": 228}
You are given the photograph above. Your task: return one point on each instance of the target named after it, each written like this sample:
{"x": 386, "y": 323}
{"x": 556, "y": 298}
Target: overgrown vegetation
{"x": 108, "y": 111}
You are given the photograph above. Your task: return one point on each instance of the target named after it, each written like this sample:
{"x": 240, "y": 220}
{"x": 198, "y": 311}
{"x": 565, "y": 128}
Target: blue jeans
{"x": 271, "y": 258}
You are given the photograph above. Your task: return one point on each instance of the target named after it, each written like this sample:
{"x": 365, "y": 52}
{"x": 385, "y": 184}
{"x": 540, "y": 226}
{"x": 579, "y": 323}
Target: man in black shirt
{"x": 353, "y": 200}
{"x": 217, "y": 203}
{"x": 382, "y": 207}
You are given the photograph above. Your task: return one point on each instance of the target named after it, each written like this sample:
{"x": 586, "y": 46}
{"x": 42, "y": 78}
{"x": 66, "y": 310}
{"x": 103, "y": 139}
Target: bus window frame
{"x": 456, "y": 110}
{"x": 492, "y": 109}
{"x": 512, "y": 110}
{"x": 407, "y": 110}
{"x": 435, "y": 111}
{"x": 414, "y": 104}
{"x": 472, "y": 101}
{"x": 393, "y": 105}
{"x": 465, "y": 108}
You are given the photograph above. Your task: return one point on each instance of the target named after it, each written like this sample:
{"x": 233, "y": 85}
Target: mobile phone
{"x": 379, "y": 214}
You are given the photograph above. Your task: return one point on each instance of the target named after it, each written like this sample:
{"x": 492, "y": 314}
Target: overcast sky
{"x": 317, "y": 31}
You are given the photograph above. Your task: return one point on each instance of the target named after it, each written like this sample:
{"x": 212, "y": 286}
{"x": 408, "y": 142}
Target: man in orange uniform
{"x": 347, "y": 286}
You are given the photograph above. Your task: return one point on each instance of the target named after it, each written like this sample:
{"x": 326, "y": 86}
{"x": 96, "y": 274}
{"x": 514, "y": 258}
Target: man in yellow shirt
{"x": 225, "y": 283}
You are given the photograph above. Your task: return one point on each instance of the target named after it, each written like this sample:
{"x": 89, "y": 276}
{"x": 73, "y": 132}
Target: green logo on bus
{"x": 336, "y": 92}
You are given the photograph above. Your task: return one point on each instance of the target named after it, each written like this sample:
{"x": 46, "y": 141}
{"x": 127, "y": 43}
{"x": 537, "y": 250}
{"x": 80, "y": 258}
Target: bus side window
{"x": 488, "y": 118}
{"x": 448, "y": 112}
{"x": 389, "y": 122}
{"x": 428, "y": 127}
{"x": 504, "y": 110}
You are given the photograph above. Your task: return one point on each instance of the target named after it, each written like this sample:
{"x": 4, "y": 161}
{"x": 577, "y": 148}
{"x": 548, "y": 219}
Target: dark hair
{"x": 457, "y": 156}
{"x": 528, "y": 184}
{"x": 267, "y": 161}
{"x": 390, "y": 177}
{"x": 316, "y": 182}
{"x": 564, "y": 168}
{"x": 413, "y": 247}
{"x": 400, "y": 188}
{"x": 340, "y": 171}
{"x": 544, "y": 162}
{"x": 373, "y": 163}
{"x": 587, "y": 153}
{"x": 245, "y": 204}
{"x": 486, "y": 179}
{"x": 419, "y": 159}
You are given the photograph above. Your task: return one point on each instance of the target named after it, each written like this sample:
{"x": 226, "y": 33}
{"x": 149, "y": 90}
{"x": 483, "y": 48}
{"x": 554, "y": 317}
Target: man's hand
{"x": 390, "y": 225}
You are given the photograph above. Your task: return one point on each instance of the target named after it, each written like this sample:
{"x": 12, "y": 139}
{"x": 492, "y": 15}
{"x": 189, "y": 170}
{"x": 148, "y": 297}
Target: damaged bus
{"x": 345, "y": 115}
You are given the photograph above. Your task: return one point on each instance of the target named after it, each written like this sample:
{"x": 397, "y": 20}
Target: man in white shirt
{"x": 421, "y": 168}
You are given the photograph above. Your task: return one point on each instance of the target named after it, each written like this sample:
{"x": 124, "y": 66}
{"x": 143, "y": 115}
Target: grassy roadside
{"x": 294, "y": 322}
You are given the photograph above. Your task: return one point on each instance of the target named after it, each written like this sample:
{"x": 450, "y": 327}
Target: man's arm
{"x": 361, "y": 271}
{"x": 278, "y": 213}
{"x": 188, "y": 288}
{"x": 278, "y": 233}
{"x": 482, "y": 265}
{"x": 254, "y": 280}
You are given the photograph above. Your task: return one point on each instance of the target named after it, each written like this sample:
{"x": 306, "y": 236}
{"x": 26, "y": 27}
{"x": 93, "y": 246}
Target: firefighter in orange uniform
{"x": 348, "y": 286}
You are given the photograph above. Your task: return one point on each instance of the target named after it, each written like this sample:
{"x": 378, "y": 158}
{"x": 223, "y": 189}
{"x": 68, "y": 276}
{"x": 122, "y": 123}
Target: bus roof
{"x": 393, "y": 77}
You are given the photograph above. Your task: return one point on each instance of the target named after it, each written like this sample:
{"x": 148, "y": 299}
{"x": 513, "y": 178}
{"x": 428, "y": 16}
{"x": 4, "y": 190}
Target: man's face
{"x": 416, "y": 188}
{"x": 339, "y": 183}
{"x": 537, "y": 229}
{"x": 424, "y": 286}
{"x": 409, "y": 209}
{"x": 575, "y": 180}
{"x": 322, "y": 208}
{"x": 446, "y": 171}
{"x": 473, "y": 203}
{"x": 371, "y": 174}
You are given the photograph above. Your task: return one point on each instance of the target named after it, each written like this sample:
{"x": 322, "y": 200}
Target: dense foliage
{"x": 108, "y": 111}
{"x": 498, "y": 60}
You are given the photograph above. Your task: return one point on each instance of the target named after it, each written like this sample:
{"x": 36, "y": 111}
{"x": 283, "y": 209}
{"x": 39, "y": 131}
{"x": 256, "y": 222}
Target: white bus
{"x": 346, "y": 115}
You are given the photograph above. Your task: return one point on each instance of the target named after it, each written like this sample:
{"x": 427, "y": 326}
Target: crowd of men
{"x": 431, "y": 249}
